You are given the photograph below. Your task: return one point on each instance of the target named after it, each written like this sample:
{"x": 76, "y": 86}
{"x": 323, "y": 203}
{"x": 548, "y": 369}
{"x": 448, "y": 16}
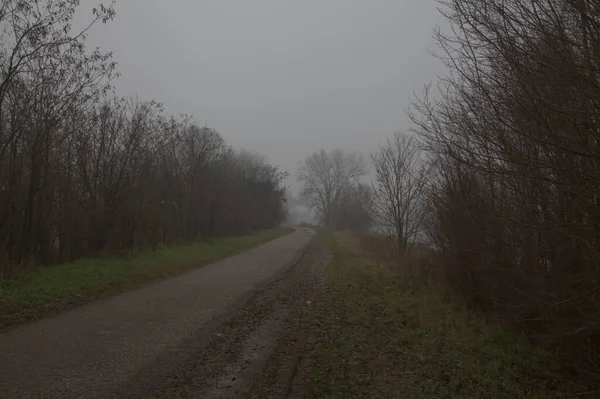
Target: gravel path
{"x": 265, "y": 351}
{"x": 129, "y": 345}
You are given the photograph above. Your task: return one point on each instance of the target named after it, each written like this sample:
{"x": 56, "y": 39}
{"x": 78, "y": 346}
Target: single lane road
{"x": 88, "y": 351}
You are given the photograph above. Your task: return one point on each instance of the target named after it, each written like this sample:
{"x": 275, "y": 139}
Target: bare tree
{"x": 514, "y": 137}
{"x": 83, "y": 172}
{"x": 324, "y": 177}
{"x": 401, "y": 176}
{"x": 353, "y": 208}
{"x": 38, "y": 47}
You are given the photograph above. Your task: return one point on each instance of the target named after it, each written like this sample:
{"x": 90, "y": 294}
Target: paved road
{"x": 89, "y": 351}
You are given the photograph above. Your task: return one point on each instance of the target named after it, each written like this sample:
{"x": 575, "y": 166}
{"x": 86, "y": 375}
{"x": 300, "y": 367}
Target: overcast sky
{"x": 282, "y": 77}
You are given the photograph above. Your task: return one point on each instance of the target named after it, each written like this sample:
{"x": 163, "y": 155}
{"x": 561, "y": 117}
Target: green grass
{"x": 61, "y": 286}
{"x": 382, "y": 336}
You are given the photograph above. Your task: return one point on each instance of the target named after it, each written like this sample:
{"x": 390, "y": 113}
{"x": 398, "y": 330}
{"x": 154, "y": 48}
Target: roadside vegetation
{"x": 383, "y": 335}
{"x": 44, "y": 290}
{"x": 498, "y": 172}
{"x": 84, "y": 172}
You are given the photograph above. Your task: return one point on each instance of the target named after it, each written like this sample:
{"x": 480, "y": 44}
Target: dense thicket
{"x": 82, "y": 172}
{"x": 516, "y": 141}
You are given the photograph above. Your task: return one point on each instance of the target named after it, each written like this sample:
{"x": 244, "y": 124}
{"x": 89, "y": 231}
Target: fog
{"x": 284, "y": 78}
{"x": 248, "y": 137}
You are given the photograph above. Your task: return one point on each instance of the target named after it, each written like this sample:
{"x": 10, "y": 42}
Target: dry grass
{"x": 382, "y": 335}
{"x": 417, "y": 262}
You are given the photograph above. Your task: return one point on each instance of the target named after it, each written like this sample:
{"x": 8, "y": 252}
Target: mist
{"x": 282, "y": 78}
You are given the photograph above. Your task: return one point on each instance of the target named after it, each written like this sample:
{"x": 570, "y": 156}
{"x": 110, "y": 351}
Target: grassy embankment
{"x": 62, "y": 286}
{"x": 381, "y": 336}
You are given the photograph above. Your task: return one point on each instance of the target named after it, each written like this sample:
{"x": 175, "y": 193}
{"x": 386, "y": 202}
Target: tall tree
{"x": 324, "y": 177}
{"x": 401, "y": 176}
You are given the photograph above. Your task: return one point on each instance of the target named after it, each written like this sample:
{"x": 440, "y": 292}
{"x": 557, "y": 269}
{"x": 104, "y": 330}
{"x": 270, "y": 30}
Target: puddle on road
{"x": 255, "y": 350}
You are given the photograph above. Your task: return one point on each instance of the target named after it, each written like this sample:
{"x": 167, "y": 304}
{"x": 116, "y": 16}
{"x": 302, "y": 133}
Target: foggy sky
{"x": 282, "y": 77}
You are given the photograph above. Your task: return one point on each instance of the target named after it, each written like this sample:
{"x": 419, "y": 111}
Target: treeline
{"x": 391, "y": 202}
{"x": 514, "y": 139}
{"x": 83, "y": 172}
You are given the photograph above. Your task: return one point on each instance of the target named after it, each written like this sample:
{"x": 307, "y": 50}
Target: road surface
{"x": 139, "y": 343}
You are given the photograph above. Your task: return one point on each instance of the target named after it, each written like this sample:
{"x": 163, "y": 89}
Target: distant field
{"x": 52, "y": 288}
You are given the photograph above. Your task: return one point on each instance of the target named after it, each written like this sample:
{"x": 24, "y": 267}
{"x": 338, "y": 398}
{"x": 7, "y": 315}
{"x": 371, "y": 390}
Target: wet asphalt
{"x": 89, "y": 351}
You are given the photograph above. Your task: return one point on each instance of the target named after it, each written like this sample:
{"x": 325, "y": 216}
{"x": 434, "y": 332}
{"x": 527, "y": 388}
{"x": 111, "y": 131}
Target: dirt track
{"x": 227, "y": 330}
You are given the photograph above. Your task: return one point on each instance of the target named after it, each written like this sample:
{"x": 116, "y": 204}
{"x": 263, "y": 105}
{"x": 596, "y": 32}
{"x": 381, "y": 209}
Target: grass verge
{"x": 66, "y": 285}
{"x": 382, "y": 336}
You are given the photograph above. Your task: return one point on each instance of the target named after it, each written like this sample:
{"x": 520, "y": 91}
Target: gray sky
{"x": 282, "y": 77}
